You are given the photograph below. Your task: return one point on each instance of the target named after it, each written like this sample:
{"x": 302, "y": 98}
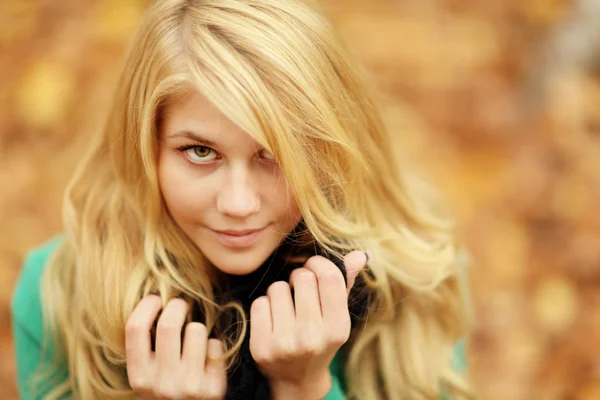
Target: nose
{"x": 238, "y": 197}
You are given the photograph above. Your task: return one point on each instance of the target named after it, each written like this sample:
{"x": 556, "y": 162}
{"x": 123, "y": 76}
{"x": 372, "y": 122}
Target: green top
{"x": 28, "y": 328}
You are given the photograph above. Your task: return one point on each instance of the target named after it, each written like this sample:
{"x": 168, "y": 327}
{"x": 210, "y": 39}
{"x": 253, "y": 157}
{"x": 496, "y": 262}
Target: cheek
{"x": 183, "y": 199}
{"x": 283, "y": 202}
{"x": 284, "y": 197}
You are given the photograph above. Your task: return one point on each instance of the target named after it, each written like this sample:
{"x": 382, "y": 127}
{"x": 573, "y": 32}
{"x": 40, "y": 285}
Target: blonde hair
{"x": 278, "y": 70}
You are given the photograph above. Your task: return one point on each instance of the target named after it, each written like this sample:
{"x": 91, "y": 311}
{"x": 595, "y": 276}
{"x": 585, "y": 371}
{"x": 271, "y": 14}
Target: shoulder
{"x": 26, "y": 302}
{"x": 459, "y": 357}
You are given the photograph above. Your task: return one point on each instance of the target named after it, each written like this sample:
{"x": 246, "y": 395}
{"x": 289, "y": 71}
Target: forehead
{"x": 192, "y": 115}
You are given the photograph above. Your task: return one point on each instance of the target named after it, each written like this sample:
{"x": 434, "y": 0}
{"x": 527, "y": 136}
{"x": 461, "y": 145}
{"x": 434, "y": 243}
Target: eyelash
{"x": 184, "y": 148}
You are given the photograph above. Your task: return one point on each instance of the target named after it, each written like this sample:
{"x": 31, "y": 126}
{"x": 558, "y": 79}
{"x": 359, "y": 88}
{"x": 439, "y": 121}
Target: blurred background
{"x": 500, "y": 99}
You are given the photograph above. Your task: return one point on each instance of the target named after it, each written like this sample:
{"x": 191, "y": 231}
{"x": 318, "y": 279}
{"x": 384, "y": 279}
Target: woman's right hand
{"x": 169, "y": 372}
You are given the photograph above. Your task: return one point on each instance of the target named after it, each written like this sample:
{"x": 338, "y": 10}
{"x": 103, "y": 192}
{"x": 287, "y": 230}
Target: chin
{"x": 236, "y": 261}
{"x": 237, "y": 264}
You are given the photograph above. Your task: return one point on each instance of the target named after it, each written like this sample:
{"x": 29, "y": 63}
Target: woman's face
{"x": 215, "y": 177}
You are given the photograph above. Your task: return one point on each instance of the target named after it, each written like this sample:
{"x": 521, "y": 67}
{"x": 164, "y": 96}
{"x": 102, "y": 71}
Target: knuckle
{"x": 167, "y": 390}
{"x": 328, "y": 277}
{"x": 314, "y": 261}
{"x": 303, "y": 275}
{"x": 139, "y": 384}
{"x": 178, "y": 302}
{"x": 278, "y": 287}
{"x": 197, "y": 329}
{"x": 285, "y": 349}
{"x": 311, "y": 344}
{"x": 259, "y": 304}
{"x": 340, "y": 337}
{"x": 260, "y": 353}
{"x": 167, "y": 327}
{"x": 193, "y": 388}
{"x": 150, "y": 300}
{"x": 133, "y": 327}
{"x": 339, "y": 340}
{"x": 264, "y": 358}
{"x": 216, "y": 390}
{"x": 311, "y": 348}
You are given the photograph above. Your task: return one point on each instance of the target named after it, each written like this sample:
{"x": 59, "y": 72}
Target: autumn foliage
{"x": 505, "y": 120}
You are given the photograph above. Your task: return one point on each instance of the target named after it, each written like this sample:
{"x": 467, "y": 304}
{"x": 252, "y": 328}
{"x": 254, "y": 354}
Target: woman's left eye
{"x": 269, "y": 156}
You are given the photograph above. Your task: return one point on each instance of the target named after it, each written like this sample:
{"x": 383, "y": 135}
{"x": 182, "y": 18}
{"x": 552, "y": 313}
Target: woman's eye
{"x": 198, "y": 154}
{"x": 268, "y": 156}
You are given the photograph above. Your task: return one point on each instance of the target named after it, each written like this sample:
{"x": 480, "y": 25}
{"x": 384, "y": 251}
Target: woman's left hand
{"x": 294, "y": 339}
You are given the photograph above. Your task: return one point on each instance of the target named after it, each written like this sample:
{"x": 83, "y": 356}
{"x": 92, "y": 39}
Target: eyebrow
{"x": 193, "y": 136}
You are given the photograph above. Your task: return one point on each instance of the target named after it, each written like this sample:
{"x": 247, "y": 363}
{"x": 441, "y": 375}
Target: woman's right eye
{"x": 197, "y": 154}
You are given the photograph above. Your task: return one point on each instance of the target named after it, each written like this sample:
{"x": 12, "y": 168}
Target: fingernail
{"x": 367, "y": 255}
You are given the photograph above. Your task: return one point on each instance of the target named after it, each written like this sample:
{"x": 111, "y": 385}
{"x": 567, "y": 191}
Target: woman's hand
{"x": 169, "y": 372}
{"x": 294, "y": 339}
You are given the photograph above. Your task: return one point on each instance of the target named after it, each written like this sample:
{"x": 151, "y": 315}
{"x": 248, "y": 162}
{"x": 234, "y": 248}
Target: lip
{"x": 238, "y": 240}
{"x": 239, "y": 233}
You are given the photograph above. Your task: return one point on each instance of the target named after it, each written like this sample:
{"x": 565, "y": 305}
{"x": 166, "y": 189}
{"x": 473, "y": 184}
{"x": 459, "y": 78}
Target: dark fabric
{"x": 245, "y": 381}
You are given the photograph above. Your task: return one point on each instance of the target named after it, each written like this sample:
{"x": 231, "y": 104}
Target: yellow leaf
{"x": 45, "y": 94}
{"x": 555, "y": 303}
{"x": 115, "y": 20}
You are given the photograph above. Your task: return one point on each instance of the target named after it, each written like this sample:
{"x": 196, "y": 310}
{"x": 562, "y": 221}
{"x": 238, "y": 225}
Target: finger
{"x": 261, "y": 320}
{"x": 354, "y": 262}
{"x": 261, "y": 327}
{"x": 137, "y": 334}
{"x": 194, "y": 347}
{"x": 282, "y": 306}
{"x": 331, "y": 286}
{"x": 306, "y": 296}
{"x": 168, "y": 335}
{"x": 216, "y": 369}
{"x": 214, "y": 353}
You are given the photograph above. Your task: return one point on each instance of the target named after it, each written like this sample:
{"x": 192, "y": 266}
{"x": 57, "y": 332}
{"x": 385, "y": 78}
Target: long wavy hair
{"x": 278, "y": 70}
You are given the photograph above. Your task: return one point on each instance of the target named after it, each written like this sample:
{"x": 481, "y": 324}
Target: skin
{"x": 176, "y": 370}
{"x": 293, "y": 342}
{"x": 235, "y": 184}
{"x": 294, "y": 339}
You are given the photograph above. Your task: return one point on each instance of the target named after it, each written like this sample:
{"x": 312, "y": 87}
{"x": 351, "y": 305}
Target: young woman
{"x": 217, "y": 233}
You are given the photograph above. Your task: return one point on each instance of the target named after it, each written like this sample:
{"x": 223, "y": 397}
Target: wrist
{"x": 314, "y": 388}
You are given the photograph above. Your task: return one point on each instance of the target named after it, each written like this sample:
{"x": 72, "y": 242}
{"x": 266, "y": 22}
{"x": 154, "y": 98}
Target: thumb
{"x": 354, "y": 262}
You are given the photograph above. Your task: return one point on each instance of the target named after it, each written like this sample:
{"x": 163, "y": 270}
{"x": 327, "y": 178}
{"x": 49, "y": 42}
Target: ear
{"x": 354, "y": 262}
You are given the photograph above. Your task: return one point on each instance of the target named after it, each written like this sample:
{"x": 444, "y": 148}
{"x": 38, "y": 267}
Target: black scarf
{"x": 245, "y": 381}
